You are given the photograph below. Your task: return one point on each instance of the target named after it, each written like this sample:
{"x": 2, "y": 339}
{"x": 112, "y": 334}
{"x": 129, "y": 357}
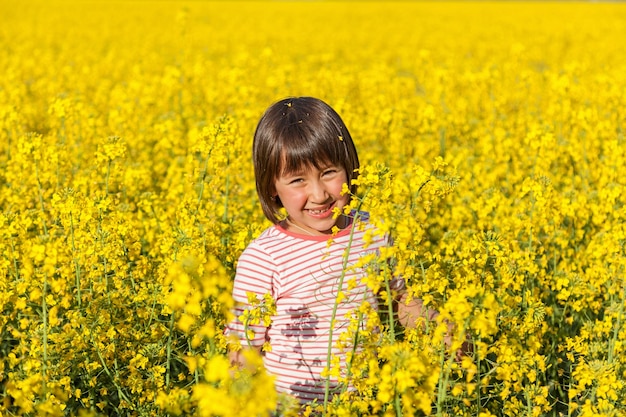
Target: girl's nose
{"x": 317, "y": 192}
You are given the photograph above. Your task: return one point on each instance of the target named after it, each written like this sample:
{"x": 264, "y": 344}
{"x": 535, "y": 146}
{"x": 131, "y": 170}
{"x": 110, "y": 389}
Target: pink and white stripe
{"x": 302, "y": 273}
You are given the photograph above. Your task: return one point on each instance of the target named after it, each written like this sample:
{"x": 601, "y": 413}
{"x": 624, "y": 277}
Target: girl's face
{"x": 309, "y": 196}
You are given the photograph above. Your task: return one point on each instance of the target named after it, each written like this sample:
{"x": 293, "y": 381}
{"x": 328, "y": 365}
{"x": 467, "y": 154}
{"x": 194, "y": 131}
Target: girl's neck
{"x": 342, "y": 223}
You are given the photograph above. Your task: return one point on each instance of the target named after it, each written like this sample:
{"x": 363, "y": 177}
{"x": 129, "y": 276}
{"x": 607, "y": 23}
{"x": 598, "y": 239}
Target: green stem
{"x": 392, "y": 333}
{"x": 153, "y": 310}
{"x": 169, "y": 350}
{"x": 76, "y": 264}
{"x": 226, "y": 193}
{"x": 8, "y": 146}
{"x": 113, "y": 378}
{"x": 202, "y": 178}
{"x": 478, "y": 380}
{"x": 58, "y": 167}
{"x": 44, "y": 309}
{"x": 397, "y": 404}
{"x": 105, "y": 272}
{"x": 443, "y": 381}
{"x": 529, "y": 244}
{"x": 225, "y": 235}
{"x": 41, "y": 206}
{"x": 17, "y": 271}
{"x": 106, "y": 185}
{"x": 392, "y": 326}
{"x": 206, "y": 167}
{"x": 158, "y": 222}
{"x": 529, "y": 402}
{"x": 355, "y": 341}
{"x": 344, "y": 265}
{"x": 618, "y": 325}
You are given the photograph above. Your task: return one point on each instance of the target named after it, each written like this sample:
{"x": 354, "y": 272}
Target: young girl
{"x": 303, "y": 155}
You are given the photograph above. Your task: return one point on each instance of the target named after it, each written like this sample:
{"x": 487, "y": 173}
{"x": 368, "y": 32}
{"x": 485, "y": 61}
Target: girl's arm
{"x": 409, "y": 314}
{"x": 415, "y": 313}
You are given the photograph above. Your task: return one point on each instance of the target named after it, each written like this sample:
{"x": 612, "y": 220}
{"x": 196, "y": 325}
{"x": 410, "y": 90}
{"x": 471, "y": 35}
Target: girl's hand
{"x": 238, "y": 357}
{"x": 466, "y": 349}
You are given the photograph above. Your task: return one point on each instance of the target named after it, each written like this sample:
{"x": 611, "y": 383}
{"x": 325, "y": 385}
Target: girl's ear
{"x": 276, "y": 200}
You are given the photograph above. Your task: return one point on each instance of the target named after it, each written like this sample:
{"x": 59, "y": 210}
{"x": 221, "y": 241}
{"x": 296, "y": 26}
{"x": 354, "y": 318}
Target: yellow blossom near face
{"x": 185, "y": 322}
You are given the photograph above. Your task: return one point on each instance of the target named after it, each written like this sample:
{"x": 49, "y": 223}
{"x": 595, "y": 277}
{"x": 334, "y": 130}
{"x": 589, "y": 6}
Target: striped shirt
{"x": 302, "y": 274}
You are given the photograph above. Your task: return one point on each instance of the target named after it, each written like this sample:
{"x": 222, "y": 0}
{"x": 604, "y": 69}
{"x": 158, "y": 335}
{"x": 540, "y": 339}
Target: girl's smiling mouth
{"x": 322, "y": 212}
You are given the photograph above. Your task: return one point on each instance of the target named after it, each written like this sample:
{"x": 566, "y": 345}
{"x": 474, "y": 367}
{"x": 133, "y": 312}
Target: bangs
{"x": 307, "y": 140}
{"x": 297, "y": 159}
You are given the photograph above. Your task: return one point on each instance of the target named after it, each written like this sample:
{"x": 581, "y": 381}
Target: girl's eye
{"x": 295, "y": 181}
{"x": 330, "y": 171}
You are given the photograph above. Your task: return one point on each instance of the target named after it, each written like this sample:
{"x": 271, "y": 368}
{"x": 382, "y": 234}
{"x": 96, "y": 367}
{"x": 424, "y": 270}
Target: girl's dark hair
{"x": 299, "y": 132}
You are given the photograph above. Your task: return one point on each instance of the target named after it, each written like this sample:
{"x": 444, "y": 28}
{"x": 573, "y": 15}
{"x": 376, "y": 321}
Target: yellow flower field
{"x": 492, "y": 142}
